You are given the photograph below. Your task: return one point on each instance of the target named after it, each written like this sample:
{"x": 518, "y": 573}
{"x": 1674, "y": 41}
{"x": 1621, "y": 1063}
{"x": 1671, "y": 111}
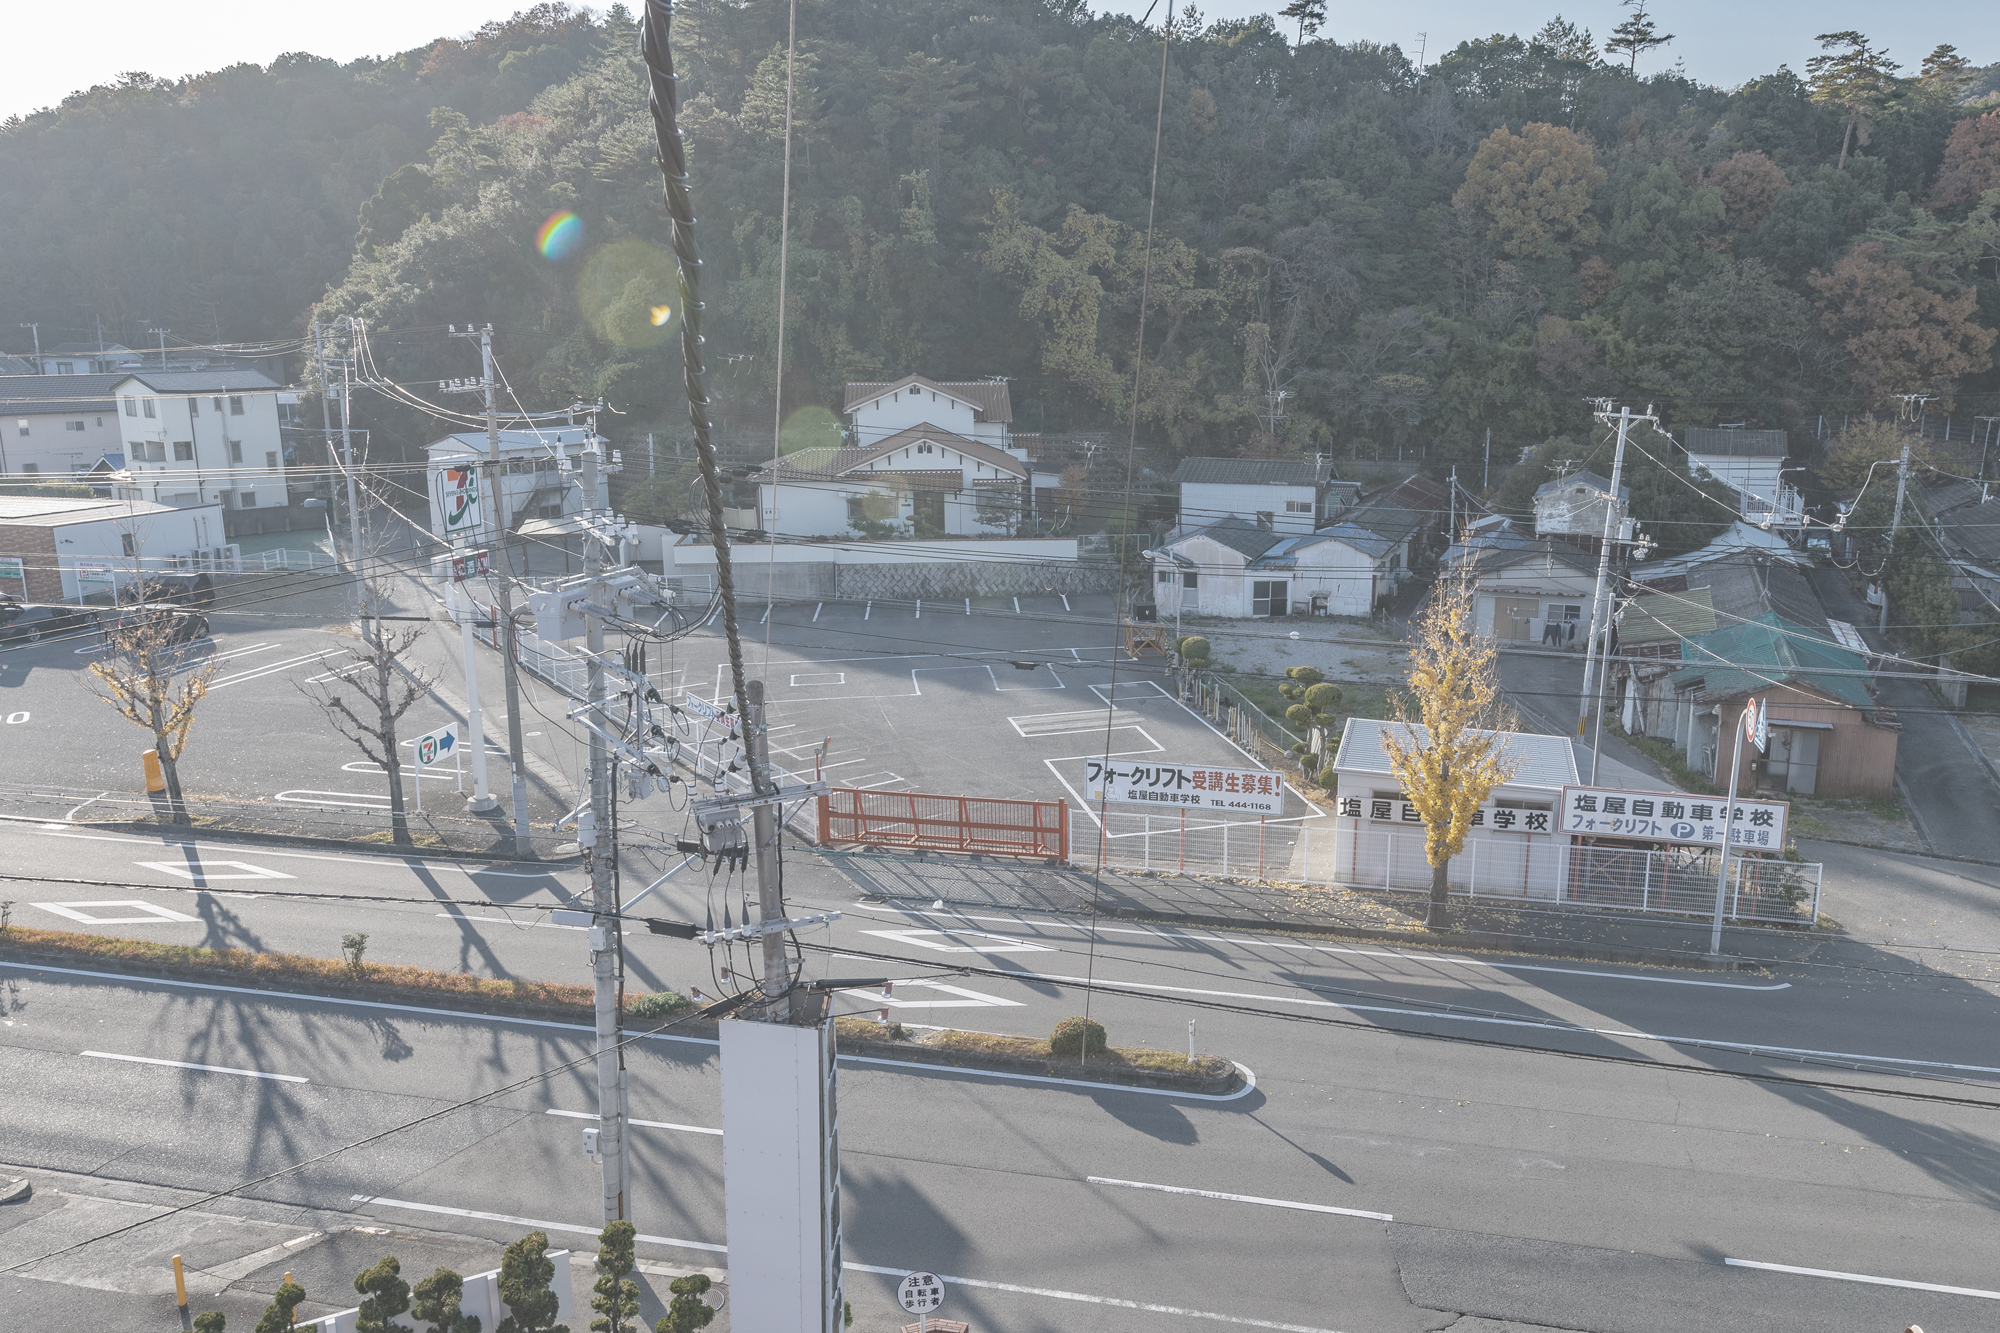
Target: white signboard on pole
{"x": 1253, "y": 791}
{"x": 920, "y": 1293}
{"x": 708, "y": 712}
{"x": 1652, "y": 816}
{"x": 433, "y": 747}
{"x": 458, "y": 504}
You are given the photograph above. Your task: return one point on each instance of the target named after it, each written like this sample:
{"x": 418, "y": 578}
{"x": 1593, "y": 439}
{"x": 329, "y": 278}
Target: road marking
{"x": 273, "y": 668}
{"x": 1005, "y": 944}
{"x": 535, "y": 1222}
{"x": 407, "y": 860}
{"x": 509, "y": 921}
{"x": 1254, "y": 942}
{"x": 358, "y": 800}
{"x": 206, "y": 1069}
{"x": 1249, "y": 1078}
{"x": 649, "y": 1124}
{"x": 16, "y": 719}
{"x": 971, "y": 999}
{"x": 1241, "y": 1198}
{"x": 70, "y": 815}
{"x": 1863, "y": 1277}
{"x": 155, "y": 915}
{"x": 803, "y": 678}
{"x": 200, "y": 870}
{"x": 1112, "y": 1301}
{"x": 1545, "y": 1024}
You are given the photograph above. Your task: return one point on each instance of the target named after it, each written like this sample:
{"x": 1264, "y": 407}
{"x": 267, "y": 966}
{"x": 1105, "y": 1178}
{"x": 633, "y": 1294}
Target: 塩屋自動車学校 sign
{"x": 1651, "y": 816}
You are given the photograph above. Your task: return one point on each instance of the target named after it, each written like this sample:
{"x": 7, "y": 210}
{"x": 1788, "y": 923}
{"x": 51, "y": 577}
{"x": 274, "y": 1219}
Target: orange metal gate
{"x": 1038, "y": 829}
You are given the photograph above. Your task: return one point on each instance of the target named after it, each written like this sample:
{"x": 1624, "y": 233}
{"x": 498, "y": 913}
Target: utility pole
{"x": 163, "y": 344}
{"x": 1486, "y": 470}
{"x": 764, "y": 838}
{"x": 1895, "y": 523}
{"x": 36, "y": 329}
{"x": 504, "y": 634}
{"x": 355, "y": 556}
{"x": 1598, "y": 626}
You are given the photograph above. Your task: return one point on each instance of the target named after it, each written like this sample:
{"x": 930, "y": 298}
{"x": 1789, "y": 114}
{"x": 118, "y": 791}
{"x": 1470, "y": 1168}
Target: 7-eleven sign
{"x": 458, "y": 499}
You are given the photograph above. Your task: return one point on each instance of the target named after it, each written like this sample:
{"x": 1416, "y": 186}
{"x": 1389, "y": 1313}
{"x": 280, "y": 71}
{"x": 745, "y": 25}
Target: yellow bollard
{"x": 156, "y": 779}
{"x": 180, "y": 1287}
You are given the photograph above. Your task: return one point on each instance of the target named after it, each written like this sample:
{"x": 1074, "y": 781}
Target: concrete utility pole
{"x": 354, "y": 553}
{"x": 163, "y": 344}
{"x": 504, "y": 634}
{"x": 601, "y": 858}
{"x": 36, "y": 330}
{"x": 1597, "y": 616}
{"x": 764, "y": 838}
{"x": 1895, "y": 523}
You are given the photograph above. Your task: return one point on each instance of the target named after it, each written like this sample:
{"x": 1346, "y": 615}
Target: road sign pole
{"x": 1728, "y": 825}
{"x": 600, "y": 857}
{"x": 482, "y": 800}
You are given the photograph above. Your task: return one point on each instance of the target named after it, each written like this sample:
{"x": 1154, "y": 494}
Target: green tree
{"x": 1971, "y": 163}
{"x": 688, "y": 1312}
{"x": 1749, "y": 183}
{"x": 616, "y": 1297}
{"x": 436, "y": 1301}
{"x": 1635, "y": 36}
{"x": 277, "y": 1316}
{"x": 1902, "y": 335}
{"x": 1853, "y": 78}
{"x": 210, "y": 1321}
{"x": 1310, "y": 15}
{"x": 384, "y": 1295}
{"x": 525, "y": 1273}
{"x": 1537, "y": 187}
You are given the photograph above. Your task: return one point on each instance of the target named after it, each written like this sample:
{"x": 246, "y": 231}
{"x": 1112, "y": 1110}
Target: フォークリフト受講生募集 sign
{"x": 1186, "y": 787}
{"x": 1652, "y": 816}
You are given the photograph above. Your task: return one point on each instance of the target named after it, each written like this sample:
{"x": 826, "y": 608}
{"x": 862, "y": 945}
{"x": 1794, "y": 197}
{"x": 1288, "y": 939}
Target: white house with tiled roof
{"x": 925, "y": 458}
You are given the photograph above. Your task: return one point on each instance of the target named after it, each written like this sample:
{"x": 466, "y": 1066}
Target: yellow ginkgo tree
{"x": 1452, "y": 755}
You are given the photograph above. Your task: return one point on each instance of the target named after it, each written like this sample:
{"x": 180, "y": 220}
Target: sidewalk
{"x": 1397, "y": 918}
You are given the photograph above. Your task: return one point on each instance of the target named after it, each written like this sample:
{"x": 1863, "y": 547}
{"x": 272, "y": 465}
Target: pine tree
{"x": 689, "y": 1312}
{"x": 384, "y": 1295}
{"x": 617, "y": 1298}
{"x": 525, "y": 1271}
{"x": 277, "y": 1316}
{"x": 1856, "y": 78}
{"x": 1636, "y": 35}
{"x": 437, "y": 1300}
{"x": 1310, "y": 15}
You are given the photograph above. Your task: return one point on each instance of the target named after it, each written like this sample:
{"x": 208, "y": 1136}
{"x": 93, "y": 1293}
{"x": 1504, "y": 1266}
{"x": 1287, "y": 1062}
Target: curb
{"x": 1461, "y": 939}
{"x": 917, "y": 1053}
{"x": 384, "y": 849}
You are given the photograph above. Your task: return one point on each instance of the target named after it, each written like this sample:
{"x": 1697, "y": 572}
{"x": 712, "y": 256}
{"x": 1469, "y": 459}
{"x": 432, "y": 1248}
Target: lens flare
{"x": 560, "y": 235}
{"x": 661, "y": 314}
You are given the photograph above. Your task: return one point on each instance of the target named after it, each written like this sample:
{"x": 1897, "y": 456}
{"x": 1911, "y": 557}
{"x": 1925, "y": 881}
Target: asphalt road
{"x": 1524, "y": 1183}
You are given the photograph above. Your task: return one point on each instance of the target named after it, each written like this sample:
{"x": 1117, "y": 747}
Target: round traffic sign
{"x": 921, "y": 1293}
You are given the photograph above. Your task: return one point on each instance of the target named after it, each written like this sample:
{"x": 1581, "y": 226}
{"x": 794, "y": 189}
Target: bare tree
{"x": 145, "y": 675}
{"x": 365, "y": 697}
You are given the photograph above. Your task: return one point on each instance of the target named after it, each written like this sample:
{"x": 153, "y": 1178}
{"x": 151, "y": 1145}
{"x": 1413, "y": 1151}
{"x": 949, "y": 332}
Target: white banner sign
{"x": 458, "y": 500}
{"x": 1609, "y": 812}
{"x": 1186, "y": 786}
{"x": 1508, "y": 817}
{"x": 708, "y": 712}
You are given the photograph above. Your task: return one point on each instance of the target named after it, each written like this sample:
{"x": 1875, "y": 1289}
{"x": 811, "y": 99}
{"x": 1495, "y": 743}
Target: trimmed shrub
{"x": 1077, "y": 1035}
{"x": 1305, "y": 675}
{"x": 1323, "y": 698}
{"x": 659, "y": 1004}
{"x": 1194, "y": 648}
{"x": 1299, "y": 715}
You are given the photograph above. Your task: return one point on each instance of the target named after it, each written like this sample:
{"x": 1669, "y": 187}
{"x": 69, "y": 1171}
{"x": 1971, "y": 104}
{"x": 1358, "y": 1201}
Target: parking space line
{"x": 1241, "y": 1198}
{"x": 647, "y": 1124}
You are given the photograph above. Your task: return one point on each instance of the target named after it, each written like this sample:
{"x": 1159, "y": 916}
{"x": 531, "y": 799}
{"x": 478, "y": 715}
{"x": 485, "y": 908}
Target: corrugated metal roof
{"x": 52, "y": 394}
{"x": 1718, "y": 443}
{"x": 1661, "y": 617}
{"x": 1238, "y": 534}
{"x": 1544, "y": 762}
{"x": 201, "y": 381}
{"x": 53, "y": 511}
{"x": 1745, "y": 659}
{"x": 1588, "y": 480}
{"x": 1245, "y": 472}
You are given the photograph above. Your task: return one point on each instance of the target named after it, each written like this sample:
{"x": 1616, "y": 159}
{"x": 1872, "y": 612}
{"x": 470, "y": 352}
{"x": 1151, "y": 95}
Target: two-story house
{"x": 201, "y": 437}
{"x": 926, "y": 458}
{"x": 1278, "y": 494}
{"x": 1751, "y": 463}
{"x": 57, "y": 426}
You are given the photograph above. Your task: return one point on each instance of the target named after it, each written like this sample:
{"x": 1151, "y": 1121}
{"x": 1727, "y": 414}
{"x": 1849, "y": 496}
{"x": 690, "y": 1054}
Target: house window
{"x": 855, "y": 513}
{"x": 1572, "y": 614}
{"x": 925, "y": 449}
{"x": 100, "y": 421}
{"x": 184, "y": 451}
{"x": 236, "y": 451}
{"x": 131, "y": 407}
{"x": 31, "y": 468}
{"x": 72, "y": 425}
{"x": 1189, "y": 580}
{"x": 270, "y": 460}
{"x": 194, "y": 407}
{"x": 131, "y": 546}
{"x": 1269, "y": 599}
{"x": 236, "y": 405}
{"x": 153, "y": 451}
{"x": 218, "y": 404}
{"x": 24, "y": 426}
{"x": 1298, "y": 506}
{"x": 1266, "y": 519}
{"x": 1164, "y": 576}
{"x": 246, "y": 499}
{"x": 147, "y": 408}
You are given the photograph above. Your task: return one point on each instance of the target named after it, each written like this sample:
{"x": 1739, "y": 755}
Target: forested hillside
{"x": 1353, "y": 256}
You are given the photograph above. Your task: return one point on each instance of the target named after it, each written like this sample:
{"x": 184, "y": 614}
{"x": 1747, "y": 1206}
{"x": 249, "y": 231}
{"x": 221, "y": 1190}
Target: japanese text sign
{"x": 1655, "y": 816}
{"x": 458, "y": 499}
{"x": 1508, "y": 817}
{"x": 1186, "y": 786}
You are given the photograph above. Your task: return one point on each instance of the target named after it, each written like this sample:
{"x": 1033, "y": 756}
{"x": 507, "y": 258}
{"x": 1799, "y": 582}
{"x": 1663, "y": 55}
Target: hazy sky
{"x": 52, "y": 56}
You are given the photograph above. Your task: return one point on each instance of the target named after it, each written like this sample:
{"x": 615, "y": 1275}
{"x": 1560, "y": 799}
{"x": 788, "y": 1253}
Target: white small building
{"x": 1237, "y": 569}
{"x": 62, "y": 549}
{"x": 1573, "y": 506}
{"x": 1528, "y": 591}
{"x": 1279, "y": 494}
{"x": 541, "y": 474}
{"x": 57, "y": 426}
{"x": 1751, "y": 463}
{"x": 923, "y": 481}
{"x": 1513, "y": 849}
{"x": 199, "y": 437}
